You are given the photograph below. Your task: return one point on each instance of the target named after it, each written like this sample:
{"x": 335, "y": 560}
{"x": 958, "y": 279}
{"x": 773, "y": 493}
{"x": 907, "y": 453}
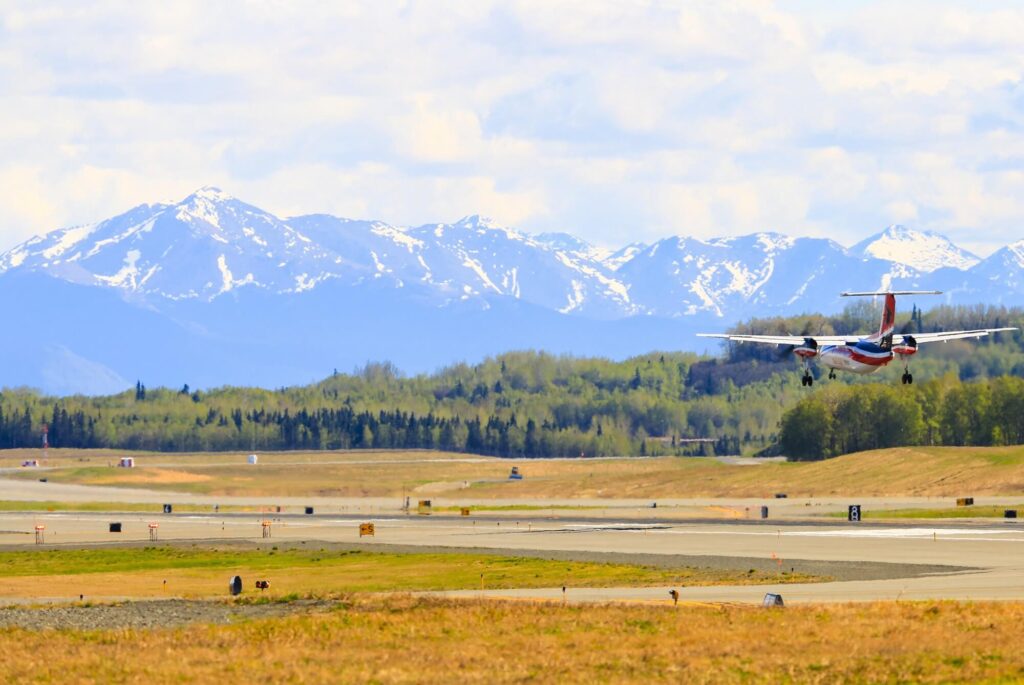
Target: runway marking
{"x": 945, "y": 534}
{"x": 614, "y": 526}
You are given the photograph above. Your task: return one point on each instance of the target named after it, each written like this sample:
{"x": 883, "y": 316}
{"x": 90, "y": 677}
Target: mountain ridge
{"x": 214, "y": 290}
{"x": 211, "y": 243}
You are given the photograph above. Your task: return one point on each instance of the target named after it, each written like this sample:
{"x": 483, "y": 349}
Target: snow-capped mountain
{"x": 998, "y": 279}
{"x": 475, "y": 259}
{"x": 922, "y": 251}
{"x": 210, "y": 244}
{"x": 754, "y": 275}
{"x": 204, "y": 246}
{"x": 213, "y": 290}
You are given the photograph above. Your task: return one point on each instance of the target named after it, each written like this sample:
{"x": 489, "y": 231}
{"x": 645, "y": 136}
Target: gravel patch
{"x": 167, "y": 613}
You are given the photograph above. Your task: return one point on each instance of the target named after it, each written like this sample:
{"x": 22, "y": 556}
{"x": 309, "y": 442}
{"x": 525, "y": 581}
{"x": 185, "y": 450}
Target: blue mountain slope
{"x": 69, "y": 338}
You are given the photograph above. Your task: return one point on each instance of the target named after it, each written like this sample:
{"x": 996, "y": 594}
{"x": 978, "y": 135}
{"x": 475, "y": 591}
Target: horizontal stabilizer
{"x": 893, "y": 292}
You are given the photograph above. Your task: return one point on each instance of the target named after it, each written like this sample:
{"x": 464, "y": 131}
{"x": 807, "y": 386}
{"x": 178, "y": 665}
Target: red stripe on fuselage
{"x": 880, "y": 360}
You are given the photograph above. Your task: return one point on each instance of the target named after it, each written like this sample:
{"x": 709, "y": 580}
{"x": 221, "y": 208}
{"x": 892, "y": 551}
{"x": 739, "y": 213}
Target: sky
{"x": 617, "y": 121}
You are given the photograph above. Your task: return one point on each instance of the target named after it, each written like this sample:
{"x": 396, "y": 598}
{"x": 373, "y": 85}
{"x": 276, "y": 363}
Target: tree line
{"x": 942, "y": 411}
{"x": 526, "y": 404}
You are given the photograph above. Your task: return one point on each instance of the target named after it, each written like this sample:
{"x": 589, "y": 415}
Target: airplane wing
{"x": 782, "y": 339}
{"x": 943, "y": 336}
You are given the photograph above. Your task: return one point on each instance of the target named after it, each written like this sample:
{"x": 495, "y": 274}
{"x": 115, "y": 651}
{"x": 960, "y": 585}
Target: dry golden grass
{"x": 408, "y": 640}
{"x": 933, "y": 471}
{"x": 151, "y": 476}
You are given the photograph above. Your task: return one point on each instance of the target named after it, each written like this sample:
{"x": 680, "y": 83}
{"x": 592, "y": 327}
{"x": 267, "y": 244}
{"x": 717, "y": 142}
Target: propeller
{"x": 906, "y": 334}
{"x": 783, "y": 351}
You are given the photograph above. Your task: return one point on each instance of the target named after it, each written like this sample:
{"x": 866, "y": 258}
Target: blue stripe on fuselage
{"x": 866, "y": 347}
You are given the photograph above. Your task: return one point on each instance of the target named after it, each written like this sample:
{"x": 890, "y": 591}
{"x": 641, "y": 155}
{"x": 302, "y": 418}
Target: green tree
{"x": 806, "y": 430}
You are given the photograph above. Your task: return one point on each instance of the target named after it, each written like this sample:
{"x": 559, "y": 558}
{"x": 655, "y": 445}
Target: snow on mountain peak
{"x": 1016, "y": 252}
{"x": 774, "y": 242}
{"x": 566, "y": 242}
{"x": 924, "y": 251}
{"x": 211, "y": 243}
{"x": 203, "y": 205}
{"x": 211, "y": 193}
{"x": 477, "y": 221}
{"x": 620, "y": 257}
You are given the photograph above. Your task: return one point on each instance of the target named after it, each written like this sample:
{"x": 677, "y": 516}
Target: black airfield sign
{"x": 853, "y": 514}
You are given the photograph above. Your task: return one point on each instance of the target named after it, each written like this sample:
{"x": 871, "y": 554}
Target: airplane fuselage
{"x": 863, "y": 358}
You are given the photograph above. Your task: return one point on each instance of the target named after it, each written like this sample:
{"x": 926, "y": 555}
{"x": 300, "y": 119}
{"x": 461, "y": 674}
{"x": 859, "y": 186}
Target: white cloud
{"x": 434, "y": 133}
{"x": 616, "y": 120}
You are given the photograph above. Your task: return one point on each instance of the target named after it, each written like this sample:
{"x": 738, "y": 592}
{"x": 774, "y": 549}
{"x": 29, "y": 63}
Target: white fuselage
{"x": 862, "y": 358}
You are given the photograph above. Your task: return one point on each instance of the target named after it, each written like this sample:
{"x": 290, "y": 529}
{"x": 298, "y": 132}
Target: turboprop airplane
{"x": 860, "y": 354}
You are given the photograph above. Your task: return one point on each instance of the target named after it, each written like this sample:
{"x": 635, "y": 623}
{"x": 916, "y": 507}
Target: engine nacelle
{"x": 905, "y": 347}
{"x": 808, "y": 349}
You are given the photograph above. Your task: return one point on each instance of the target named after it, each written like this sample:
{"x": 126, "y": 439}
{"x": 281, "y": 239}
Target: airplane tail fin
{"x": 888, "y": 325}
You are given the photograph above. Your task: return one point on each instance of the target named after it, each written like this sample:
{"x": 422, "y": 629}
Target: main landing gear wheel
{"x": 807, "y": 380}
{"x": 908, "y": 378}
{"x": 832, "y": 374}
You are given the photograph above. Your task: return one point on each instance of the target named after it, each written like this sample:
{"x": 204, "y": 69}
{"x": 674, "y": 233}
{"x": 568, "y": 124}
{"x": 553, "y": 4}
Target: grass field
{"x": 411, "y": 640}
{"x": 204, "y": 572}
{"x": 985, "y": 512}
{"x": 933, "y": 471}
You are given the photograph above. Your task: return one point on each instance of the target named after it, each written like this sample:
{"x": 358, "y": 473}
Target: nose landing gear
{"x": 831, "y": 374}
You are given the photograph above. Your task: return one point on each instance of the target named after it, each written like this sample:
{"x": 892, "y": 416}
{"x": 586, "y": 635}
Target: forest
{"x": 942, "y": 411}
{"x": 746, "y": 400}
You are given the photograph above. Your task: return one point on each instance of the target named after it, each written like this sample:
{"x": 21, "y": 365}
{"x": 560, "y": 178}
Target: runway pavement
{"x": 997, "y": 584}
{"x": 593, "y": 507}
{"x": 962, "y": 560}
{"x": 994, "y": 553}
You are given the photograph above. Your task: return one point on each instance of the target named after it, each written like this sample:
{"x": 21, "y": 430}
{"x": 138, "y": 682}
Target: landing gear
{"x": 807, "y": 379}
{"x": 907, "y": 378}
{"x": 831, "y": 374}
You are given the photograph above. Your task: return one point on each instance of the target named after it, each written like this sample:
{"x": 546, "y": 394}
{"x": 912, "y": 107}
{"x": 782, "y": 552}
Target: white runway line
{"x": 614, "y": 526}
{"x": 945, "y": 534}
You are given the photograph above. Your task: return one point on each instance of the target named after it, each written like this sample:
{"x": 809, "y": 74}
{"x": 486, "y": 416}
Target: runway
{"x": 968, "y": 561}
{"x": 782, "y": 511}
{"x": 869, "y": 560}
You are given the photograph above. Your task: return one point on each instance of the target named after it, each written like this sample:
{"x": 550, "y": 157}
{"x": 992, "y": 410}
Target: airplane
{"x": 860, "y": 354}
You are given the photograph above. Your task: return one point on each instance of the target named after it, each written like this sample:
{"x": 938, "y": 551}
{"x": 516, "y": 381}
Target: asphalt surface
{"x": 695, "y": 508}
{"x": 980, "y": 559}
